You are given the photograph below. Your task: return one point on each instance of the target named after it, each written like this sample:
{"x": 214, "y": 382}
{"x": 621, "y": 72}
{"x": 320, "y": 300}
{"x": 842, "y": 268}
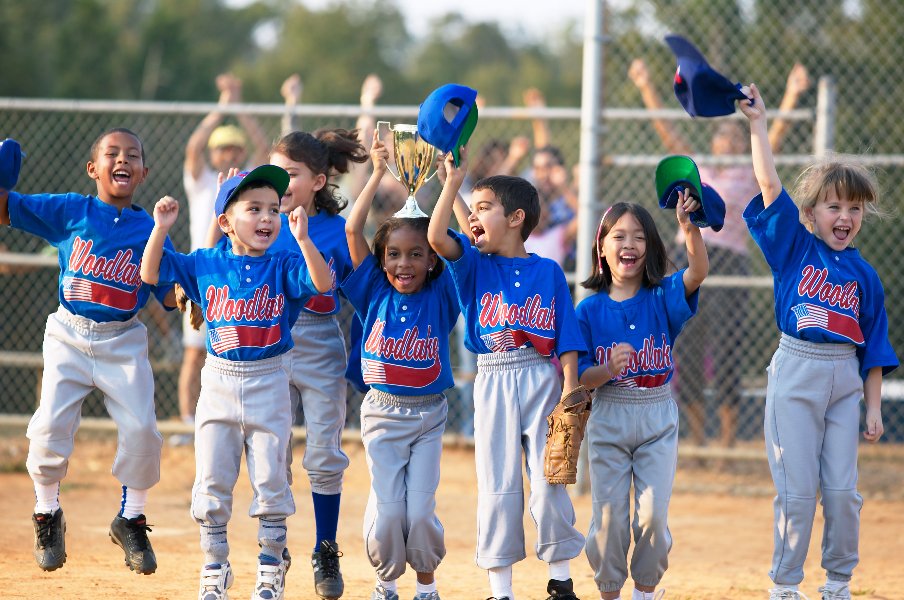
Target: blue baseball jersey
{"x": 511, "y": 303}
{"x": 249, "y": 302}
{"x": 328, "y": 234}
{"x": 99, "y": 249}
{"x": 650, "y": 322}
{"x": 405, "y": 345}
{"x": 821, "y": 295}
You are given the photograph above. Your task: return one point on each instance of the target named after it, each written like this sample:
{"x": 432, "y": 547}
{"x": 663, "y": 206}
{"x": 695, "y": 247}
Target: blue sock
{"x": 326, "y": 517}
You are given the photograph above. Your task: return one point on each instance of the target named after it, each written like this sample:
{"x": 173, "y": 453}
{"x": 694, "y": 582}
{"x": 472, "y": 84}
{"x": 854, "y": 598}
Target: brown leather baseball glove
{"x": 183, "y": 304}
{"x": 567, "y": 423}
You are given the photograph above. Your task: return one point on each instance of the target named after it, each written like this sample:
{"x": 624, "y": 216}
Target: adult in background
{"x": 717, "y": 334}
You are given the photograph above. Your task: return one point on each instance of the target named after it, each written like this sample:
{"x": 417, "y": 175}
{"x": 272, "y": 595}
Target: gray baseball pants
{"x": 403, "y": 442}
{"x": 514, "y": 392}
{"x": 633, "y": 438}
{"x": 812, "y": 427}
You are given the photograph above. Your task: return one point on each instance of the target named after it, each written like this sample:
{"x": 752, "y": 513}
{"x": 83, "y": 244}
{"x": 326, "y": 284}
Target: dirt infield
{"x": 722, "y": 543}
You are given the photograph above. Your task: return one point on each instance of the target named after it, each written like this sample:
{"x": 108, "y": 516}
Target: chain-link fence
{"x": 721, "y": 361}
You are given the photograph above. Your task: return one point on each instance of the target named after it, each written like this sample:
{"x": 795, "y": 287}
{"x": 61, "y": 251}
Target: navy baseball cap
{"x": 447, "y": 117}
{"x": 10, "y": 163}
{"x": 232, "y": 187}
{"x": 675, "y": 173}
{"x": 702, "y": 91}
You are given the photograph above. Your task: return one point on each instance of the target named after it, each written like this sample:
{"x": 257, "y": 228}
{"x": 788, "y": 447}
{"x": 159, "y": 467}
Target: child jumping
{"x": 249, "y": 299}
{"x": 630, "y": 326}
{"x": 406, "y": 302}
{"x": 95, "y": 341}
{"x": 834, "y": 350}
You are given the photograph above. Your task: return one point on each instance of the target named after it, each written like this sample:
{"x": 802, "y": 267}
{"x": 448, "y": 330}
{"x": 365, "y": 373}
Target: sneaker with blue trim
{"x": 215, "y": 580}
{"x": 842, "y": 593}
{"x": 50, "y": 539}
{"x": 381, "y": 593}
{"x": 271, "y": 581}
{"x": 427, "y": 596}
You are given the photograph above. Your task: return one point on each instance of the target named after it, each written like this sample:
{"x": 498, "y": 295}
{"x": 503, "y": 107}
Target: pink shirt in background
{"x": 737, "y": 186}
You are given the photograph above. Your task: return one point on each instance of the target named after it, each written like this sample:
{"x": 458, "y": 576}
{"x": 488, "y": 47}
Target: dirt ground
{"x": 722, "y": 542}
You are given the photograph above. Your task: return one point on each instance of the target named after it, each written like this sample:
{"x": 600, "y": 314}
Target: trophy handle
{"x": 396, "y": 176}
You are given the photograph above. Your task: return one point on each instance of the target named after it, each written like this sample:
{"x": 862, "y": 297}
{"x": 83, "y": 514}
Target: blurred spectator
{"x": 713, "y": 343}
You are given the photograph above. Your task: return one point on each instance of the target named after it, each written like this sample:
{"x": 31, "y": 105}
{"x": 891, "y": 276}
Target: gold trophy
{"x": 413, "y": 159}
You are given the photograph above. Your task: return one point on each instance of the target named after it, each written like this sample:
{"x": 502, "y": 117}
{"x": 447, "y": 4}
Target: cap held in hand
{"x": 447, "y": 118}
{"x": 702, "y": 91}
{"x": 229, "y": 191}
{"x": 675, "y": 173}
{"x": 10, "y": 163}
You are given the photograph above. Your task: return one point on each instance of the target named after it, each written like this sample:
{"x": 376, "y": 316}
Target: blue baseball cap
{"x": 447, "y": 117}
{"x": 232, "y": 187}
{"x": 676, "y": 173}
{"x": 702, "y": 91}
{"x": 10, "y": 163}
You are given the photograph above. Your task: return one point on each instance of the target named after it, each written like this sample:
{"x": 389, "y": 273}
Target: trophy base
{"x": 411, "y": 210}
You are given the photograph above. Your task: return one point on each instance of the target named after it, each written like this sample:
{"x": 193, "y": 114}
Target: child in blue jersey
{"x": 518, "y": 313}
{"x": 833, "y": 351}
{"x": 95, "y": 341}
{"x": 250, "y": 298}
{"x": 406, "y": 303}
{"x": 630, "y": 326}
{"x": 319, "y": 359}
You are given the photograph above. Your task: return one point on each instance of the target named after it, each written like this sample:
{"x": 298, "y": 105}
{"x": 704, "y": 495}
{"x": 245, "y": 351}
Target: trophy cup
{"x": 413, "y": 158}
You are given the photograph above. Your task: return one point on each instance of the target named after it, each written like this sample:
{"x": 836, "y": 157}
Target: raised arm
{"x": 763, "y": 160}
{"x": 798, "y": 83}
{"x": 354, "y": 226}
{"x": 697, "y": 259}
{"x": 290, "y": 90}
{"x": 4, "y": 207}
{"x": 437, "y": 233}
{"x": 534, "y": 98}
{"x": 214, "y": 233}
{"x": 197, "y": 141}
{"x": 371, "y": 89}
{"x": 260, "y": 152}
{"x": 166, "y": 211}
{"x": 673, "y": 141}
{"x": 460, "y": 207}
{"x": 321, "y": 274}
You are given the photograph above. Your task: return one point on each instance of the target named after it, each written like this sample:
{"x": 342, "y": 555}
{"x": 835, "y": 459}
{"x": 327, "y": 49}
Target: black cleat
{"x": 50, "y": 539}
{"x": 560, "y": 590}
{"x": 327, "y": 578}
{"x": 132, "y": 536}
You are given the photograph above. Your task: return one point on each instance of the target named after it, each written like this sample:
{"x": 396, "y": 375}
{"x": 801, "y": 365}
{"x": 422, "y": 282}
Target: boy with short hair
{"x": 94, "y": 340}
{"x": 518, "y": 313}
{"x": 250, "y": 298}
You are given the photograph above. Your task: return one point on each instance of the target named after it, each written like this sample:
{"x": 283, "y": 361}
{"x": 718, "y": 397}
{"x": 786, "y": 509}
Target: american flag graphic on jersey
{"x": 813, "y": 315}
{"x": 76, "y": 289}
{"x": 507, "y": 339}
{"x": 230, "y": 337}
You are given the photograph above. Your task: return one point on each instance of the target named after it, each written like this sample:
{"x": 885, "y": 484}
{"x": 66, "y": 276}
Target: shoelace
{"x": 45, "y": 530}
{"x": 138, "y": 530}
{"x": 329, "y": 560}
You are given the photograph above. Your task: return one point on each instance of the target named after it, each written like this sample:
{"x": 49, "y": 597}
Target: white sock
{"x": 638, "y": 595}
{"x": 560, "y": 570}
{"x": 133, "y": 502}
{"x": 501, "y": 582}
{"x": 833, "y": 585}
{"x": 389, "y": 586}
{"x": 47, "y": 497}
{"x": 425, "y": 588}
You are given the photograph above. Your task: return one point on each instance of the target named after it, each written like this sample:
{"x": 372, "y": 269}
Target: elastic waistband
{"x": 86, "y": 325}
{"x": 312, "y": 319}
{"x": 627, "y": 395}
{"x": 513, "y": 359}
{"x": 244, "y": 368}
{"x": 406, "y": 401}
{"x": 821, "y": 351}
